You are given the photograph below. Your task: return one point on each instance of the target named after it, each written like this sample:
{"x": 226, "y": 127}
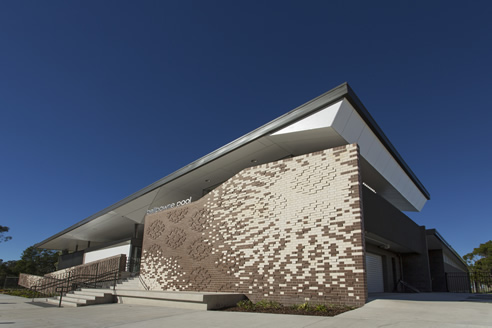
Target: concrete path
{"x": 449, "y": 310}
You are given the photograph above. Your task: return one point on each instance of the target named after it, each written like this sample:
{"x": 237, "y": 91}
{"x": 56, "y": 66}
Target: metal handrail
{"x": 143, "y": 282}
{"x": 75, "y": 286}
{"x": 73, "y": 282}
{"x": 54, "y": 282}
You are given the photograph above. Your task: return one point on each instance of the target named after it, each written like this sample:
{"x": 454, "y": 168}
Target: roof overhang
{"x": 333, "y": 119}
{"x": 437, "y": 242}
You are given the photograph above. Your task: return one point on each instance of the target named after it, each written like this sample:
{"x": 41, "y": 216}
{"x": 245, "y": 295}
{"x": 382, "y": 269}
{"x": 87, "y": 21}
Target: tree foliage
{"x": 3, "y": 230}
{"x": 7, "y": 268}
{"x": 481, "y": 258}
{"x": 37, "y": 261}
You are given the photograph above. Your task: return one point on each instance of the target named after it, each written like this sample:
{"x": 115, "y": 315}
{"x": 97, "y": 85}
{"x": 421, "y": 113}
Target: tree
{"x": 481, "y": 258}
{"x": 7, "y": 268}
{"x": 37, "y": 261}
{"x": 3, "y": 230}
{"x": 6, "y": 273}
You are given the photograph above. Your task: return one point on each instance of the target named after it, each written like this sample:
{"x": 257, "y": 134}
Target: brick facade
{"x": 289, "y": 231}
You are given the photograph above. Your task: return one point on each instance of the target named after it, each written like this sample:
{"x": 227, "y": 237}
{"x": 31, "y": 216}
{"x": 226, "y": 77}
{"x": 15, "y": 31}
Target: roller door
{"x": 374, "y": 269}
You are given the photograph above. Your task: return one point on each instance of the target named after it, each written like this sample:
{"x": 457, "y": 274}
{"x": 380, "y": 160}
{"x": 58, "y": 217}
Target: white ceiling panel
{"x": 137, "y": 203}
{"x": 409, "y": 186}
{"x": 374, "y": 152}
{"x": 391, "y": 168}
{"x": 366, "y": 140}
{"x": 353, "y": 129}
{"x": 321, "y": 119}
{"x": 384, "y": 161}
{"x": 342, "y": 117}
{"x": 395, "y": 178}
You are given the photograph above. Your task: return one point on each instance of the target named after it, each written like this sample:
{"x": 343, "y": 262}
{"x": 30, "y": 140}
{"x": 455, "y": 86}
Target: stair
{"x": 183, "y": 300}
{"x": 131, "y": 291}
{"x": 83, "y": 297}
{"x": 132, "y": 283}
{"x": 92, "y": 296}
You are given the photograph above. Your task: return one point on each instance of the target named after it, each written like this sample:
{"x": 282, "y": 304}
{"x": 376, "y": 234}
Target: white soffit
{"x": 321, "y": 119}
{"x": 113, "y": 225}
{"x": 341, "y": 123}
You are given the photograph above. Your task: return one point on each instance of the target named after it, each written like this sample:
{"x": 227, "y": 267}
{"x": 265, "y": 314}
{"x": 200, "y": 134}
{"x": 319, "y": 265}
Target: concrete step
{"x": 83, "y": 298}
{"x": 56, "y": 301}
{"x": 126, "y": 275}
{"x": 95, "y": 296}
{"x": 76, "y": 300}
{"x": 186, "y": 300}
{"x": 91, "y": 296}
{"x": 96, "y": 292}
{"x": 130, "y": 287}
{"x": 129, "y": 283}
{"x": 131, "y": 291}
{"x": 79, "y": 297}
{"x": 132, "y": 283}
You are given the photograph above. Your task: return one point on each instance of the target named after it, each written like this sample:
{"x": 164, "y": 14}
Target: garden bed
{"x": 298, "y": 309}
{"x": 21, "y": 292}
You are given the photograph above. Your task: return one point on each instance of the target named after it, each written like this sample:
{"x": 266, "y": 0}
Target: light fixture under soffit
{"x": 369, "y": 187}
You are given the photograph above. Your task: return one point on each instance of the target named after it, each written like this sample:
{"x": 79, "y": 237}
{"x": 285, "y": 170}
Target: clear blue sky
{"x": 98, "y": 99}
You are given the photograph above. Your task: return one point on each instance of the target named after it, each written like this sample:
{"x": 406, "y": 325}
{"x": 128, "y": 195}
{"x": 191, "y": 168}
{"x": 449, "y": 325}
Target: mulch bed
{"x": 289, "y": 310}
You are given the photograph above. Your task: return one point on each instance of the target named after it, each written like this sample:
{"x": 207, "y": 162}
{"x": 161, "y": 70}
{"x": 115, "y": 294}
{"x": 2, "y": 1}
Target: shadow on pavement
{"x": 431, "y": 297}
{"x": 41, "y": 304}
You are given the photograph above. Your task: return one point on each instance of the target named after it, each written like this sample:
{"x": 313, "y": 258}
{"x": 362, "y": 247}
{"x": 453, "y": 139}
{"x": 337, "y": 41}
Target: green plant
{"x": 246, "y": 305}
{"x": 302, "y": 307}
{"x": 20, "y": 292}
{"x": 320, "y": 308}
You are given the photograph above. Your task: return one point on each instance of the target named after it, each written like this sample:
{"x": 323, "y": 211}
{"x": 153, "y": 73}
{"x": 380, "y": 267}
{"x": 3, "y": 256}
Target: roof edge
{"x": 336, "y": 94}
{"x": 305, "y": 109}
{"x": 445, "y": 243}
{"x": 367, "y": 117}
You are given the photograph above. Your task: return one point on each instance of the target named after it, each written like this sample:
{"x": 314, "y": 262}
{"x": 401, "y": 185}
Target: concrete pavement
{"x": 450, "y": 310}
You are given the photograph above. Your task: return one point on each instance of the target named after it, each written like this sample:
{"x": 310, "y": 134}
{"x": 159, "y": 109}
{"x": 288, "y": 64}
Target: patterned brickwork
{"x": 289, "y": 231}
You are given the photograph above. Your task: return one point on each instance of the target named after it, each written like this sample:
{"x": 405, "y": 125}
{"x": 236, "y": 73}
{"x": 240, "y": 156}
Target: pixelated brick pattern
{"x": 289, "y": 231}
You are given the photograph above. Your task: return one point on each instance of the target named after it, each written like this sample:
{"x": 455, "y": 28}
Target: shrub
{"x": 21, "y": 292}
{"x": 305, "y": 308}
{"x": 264, "y": 304}
{"x": 320, "y": 308}
{"x": 246, "y": 305}
{"x": 302, "y": 307}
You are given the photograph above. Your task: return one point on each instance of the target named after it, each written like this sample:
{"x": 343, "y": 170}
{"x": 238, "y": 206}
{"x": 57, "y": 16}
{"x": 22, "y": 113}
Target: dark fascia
{"x": 434, "y": 232}
{"x": 334, "y": 95}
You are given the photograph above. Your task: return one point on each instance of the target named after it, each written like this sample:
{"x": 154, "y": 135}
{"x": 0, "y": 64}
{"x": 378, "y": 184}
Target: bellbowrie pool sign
{"x": 171, "y": 205}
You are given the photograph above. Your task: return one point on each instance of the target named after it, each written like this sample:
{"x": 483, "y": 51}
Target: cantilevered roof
{"x": 333, "y": 119}
{"x": 437, "y": 242}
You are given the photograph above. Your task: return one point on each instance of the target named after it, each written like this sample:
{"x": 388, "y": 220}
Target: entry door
{"x": 374, "y": 270}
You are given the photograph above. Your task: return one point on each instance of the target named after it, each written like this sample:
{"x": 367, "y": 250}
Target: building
{"x": 308, "y": 207}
